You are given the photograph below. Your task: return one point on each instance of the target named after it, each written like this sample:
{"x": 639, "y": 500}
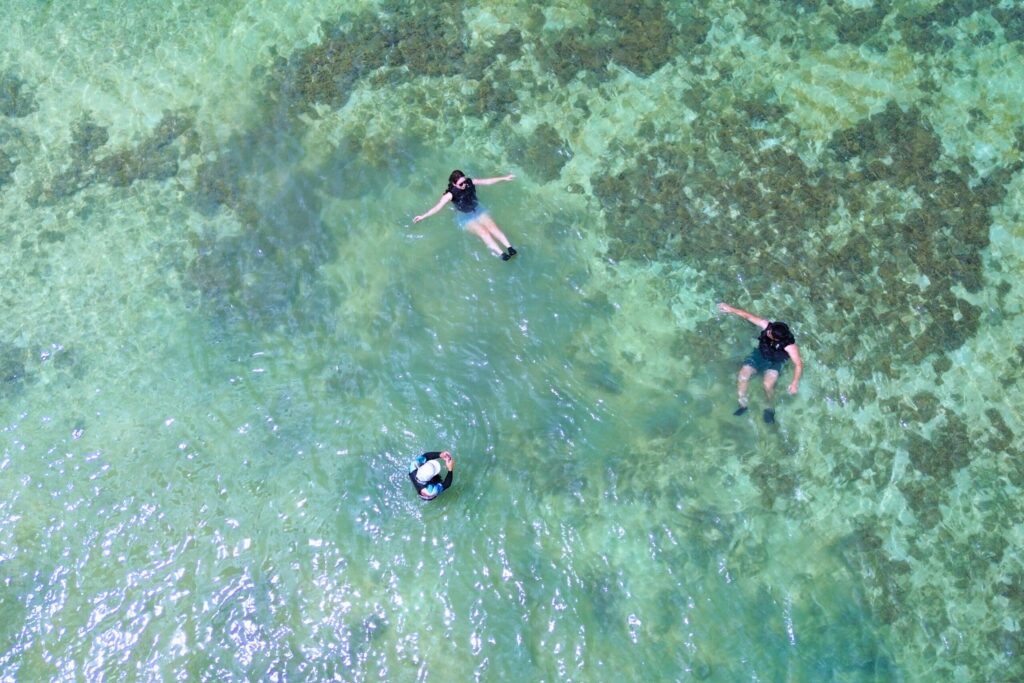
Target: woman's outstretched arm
{"x": 445, "y": 198}
{"x": 491, "y": 181}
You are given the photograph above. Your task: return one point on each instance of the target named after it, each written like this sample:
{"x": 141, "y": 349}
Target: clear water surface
{"x": 224, "y": 339}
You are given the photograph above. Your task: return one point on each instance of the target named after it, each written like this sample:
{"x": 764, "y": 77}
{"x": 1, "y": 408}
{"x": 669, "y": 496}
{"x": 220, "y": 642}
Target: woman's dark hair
{"x": 456, "y": 174}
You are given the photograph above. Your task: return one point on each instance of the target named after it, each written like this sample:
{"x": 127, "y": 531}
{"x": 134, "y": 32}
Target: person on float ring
{"x": 425, "y": 473}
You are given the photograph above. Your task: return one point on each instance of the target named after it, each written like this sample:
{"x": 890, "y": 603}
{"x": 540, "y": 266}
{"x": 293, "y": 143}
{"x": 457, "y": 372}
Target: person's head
{"x": 778, "y": 331}
{"x": 458, "y": 179}
{"x": 428, "y": 471}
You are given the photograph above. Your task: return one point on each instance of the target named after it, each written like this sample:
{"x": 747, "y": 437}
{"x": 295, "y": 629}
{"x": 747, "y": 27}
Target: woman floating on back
{"x": 470, "y": 214}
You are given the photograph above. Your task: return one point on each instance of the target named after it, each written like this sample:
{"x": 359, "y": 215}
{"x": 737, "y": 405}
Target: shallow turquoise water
{"x": 225, "y": 339}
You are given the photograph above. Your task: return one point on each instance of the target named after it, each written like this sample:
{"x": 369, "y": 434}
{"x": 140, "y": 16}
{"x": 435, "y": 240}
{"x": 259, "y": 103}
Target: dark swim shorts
{"x": 757, "y": 361}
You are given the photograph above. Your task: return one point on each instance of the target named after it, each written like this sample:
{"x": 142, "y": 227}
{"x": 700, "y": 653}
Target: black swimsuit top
{"x": 464, "y": 199}
{"x": 774, "y": 349}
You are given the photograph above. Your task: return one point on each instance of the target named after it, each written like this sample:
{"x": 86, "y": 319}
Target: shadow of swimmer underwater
{"x": 425, "y": 473}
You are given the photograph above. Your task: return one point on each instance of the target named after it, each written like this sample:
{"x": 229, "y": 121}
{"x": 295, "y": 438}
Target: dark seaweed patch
{"x": 639, "y": 36}
{"x": 925, "y": 407}
{"x": 775, "y": 481}
{"x": 86, "y": 137}
{"x": 542, "y": 154}
{"x": 12, "y": 369}
{"x": 924, "y": 498}
{"x": 422, "y": 39}
{"x": 644, "y": 39}
{"x": 576, "y": 51}
{"x": 155, "y": 157}
{"x": 508, "y": 45}
{"x": 864, "y": 551}
{"x": 945, "y": 452}
{"x": 494, "y": 97}
{"x": 741, "y": 203}
{"x": 949, "y": 12}
{"x": 900, "y": 135}
{"x": 263, "y": 276}
{"x": 17, "y": 99}
{"x": 1012, "y": 21}
{"x": 923, "y": 30}
{"x": 1003, "y": 439}
{"x": 603, "y": 375}
{"x": 942, "y": 365}
{"x": 856, "y": 26}
{"x": 7, "y": 166}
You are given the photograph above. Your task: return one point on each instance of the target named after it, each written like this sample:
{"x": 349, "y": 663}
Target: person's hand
{"x": 725, "y": 308}
{"x": 792, "y": 387}
{"x": 510, "y": 176}
{"x": 417, "y": 219}
{"x": 448, "y": 460}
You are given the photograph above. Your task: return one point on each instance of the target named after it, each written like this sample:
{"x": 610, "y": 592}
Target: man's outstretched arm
{"x": 750, "y": 317}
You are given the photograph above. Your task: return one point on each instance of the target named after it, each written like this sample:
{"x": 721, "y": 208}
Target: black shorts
{"x": 761, "y": 363}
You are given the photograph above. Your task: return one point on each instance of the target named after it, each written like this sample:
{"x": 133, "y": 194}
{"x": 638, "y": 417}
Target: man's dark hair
{"x": 781, "y": 332}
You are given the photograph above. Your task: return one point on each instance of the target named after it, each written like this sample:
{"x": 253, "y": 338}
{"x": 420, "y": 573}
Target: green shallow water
{"x": 224, "y": 340}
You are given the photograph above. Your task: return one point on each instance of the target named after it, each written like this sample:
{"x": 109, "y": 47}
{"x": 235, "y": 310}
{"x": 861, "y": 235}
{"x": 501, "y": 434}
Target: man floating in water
{"x": 425, "y": 473}
{"x": 775, "y": 346}
{"x": 470, "y": 214}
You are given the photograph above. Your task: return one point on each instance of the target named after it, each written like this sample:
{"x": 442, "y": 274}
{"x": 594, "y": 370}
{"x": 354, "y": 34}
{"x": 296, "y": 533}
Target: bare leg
{"x": 480, "y": 230}
{"x": 742, "y": 382}
{"x": 770, "y": 377}
{"x": 494, "y": 230}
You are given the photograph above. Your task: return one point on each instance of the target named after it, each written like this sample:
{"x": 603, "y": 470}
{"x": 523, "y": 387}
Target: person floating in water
{"x": 425, "y": 474}
{"x": 775, "y": 346}
{"x": 471, "y": 215}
